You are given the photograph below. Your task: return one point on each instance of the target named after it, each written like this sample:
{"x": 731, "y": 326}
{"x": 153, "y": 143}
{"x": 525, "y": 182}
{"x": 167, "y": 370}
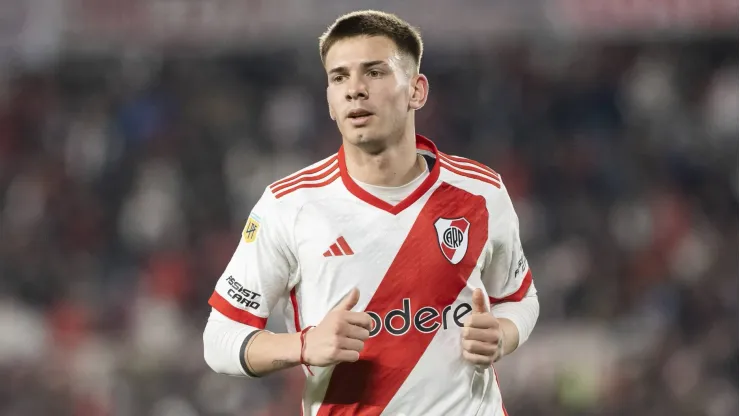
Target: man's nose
{"x": 357, "y": 89}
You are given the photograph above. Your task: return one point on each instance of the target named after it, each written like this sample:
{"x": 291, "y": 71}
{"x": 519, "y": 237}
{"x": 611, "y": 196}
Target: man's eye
{"x": 374, "y": 73}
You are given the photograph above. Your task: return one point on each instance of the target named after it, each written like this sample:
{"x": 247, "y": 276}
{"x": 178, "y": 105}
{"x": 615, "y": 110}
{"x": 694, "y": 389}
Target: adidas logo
{"x": 339, "y": 248}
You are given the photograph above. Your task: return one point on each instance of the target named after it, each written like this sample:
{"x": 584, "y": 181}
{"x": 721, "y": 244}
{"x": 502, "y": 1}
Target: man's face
{"x": 370, "y": 90}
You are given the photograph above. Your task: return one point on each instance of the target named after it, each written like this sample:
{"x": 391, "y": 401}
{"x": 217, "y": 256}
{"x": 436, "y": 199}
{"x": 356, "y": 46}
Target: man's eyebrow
{"x": 364, "y": 65}
{"x": 372, "y": 63}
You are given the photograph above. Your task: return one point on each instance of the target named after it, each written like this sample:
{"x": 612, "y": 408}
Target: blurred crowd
{"x": 125, "y": 182}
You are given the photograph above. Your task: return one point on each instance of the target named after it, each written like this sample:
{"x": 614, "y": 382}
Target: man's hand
{"x": 340, "y": 336}
{"x": 482, "y": 338}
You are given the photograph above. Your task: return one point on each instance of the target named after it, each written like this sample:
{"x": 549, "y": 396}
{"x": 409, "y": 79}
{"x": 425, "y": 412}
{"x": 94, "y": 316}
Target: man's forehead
{"x": 360, "y": 50}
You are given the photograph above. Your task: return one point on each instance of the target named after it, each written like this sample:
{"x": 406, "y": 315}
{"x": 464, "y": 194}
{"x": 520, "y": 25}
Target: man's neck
{"x": 397, "y": 165}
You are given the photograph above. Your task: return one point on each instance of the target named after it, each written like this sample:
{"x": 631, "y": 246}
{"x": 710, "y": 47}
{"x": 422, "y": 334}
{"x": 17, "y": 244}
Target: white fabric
{"x": 312, "y": 239}
{"x": 222, "y": 338}
{"x": 222, "y": 342}
{"x": 394, "y": 194}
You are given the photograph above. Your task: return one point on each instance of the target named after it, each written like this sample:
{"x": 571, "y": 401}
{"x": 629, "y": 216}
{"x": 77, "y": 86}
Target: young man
{"x": 390, "y": 253}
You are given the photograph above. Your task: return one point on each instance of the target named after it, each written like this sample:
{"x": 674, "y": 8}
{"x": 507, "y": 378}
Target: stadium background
{"x": 135, "y": 136}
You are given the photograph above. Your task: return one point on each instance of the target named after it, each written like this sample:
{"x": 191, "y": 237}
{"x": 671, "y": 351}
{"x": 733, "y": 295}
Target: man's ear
{"x": 419, "y": 91}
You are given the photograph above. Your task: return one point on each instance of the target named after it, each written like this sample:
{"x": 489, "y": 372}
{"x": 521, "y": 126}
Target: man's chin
{"x": 369, "y": 143}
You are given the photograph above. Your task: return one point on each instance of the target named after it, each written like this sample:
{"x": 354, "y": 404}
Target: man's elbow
{"x": 210, "y": 355}
{"x": 218, "y": 350}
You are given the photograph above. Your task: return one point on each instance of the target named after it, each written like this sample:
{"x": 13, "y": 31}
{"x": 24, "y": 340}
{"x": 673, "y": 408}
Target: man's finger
{"x": 482, "y": 321}
{"x": 349, "y": 301}
{"x": 357, "y": 332}
{"x": 479, "y": 302}
{"x": 360, "y": 319}
{"x": 478, "y": 347}
{"x": 347, "y": 356}
{"x": 351, "y": 344}
{"x": 483, "y": 335}
{"x": 477, "y": 359}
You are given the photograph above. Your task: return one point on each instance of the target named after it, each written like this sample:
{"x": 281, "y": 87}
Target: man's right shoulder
{"x": 311, "y": 178}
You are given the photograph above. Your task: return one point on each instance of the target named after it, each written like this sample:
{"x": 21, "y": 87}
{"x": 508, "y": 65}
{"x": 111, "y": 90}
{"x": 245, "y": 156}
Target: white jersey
{"x": 315, "y": 235}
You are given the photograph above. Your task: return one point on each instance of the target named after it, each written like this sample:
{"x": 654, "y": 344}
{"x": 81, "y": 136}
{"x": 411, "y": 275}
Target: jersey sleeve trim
{"x": 465, "y": 162}
{"x": 298, "y": 176}
{"x": 320, "y": 175}
{"x": 470, "y": 171}
{"x": 243, "y": 355}
{"x": 232, "y": 312}
{"x": 519, "y": 294}
{"x": 318, "y": 181}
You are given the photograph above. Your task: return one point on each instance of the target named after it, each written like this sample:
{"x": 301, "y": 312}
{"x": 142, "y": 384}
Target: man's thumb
{"x": 349, "y": 301}
{"x": 479, "y": 302}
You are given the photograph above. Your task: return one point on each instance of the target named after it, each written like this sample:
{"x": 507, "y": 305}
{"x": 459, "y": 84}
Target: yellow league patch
{"x": 250, "y": 230}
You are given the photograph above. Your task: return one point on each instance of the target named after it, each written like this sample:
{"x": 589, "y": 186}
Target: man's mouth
{"x": 359, "y": 113}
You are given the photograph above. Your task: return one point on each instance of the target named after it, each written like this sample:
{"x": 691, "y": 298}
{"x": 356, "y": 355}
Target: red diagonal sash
{"x": 421, "y": 273}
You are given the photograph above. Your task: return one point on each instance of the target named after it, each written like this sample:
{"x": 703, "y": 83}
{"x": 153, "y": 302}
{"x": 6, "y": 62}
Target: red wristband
{"x": 303, "y": 348}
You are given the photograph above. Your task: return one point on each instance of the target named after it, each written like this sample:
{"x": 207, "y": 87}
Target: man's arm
{"x": 499, "y": 329}
{"x": 488, "y": 336}
{"x": 229, "y": 348}
{"x": 266, "y": 352}
{"x": 339, "y": 337}
{"x": 259, "y": 273}
{"x": 510, "y": 335}
{"x": 517, "y": 319}
{"x": 236, "y": 349}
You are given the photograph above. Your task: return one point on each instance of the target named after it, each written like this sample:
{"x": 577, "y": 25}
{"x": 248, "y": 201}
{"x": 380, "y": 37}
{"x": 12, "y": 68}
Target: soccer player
{"x": 401, "y": 266}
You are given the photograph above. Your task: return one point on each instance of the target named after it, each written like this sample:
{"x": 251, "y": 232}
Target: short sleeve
{"x": 506, "y": 274}
{"x": 260, "y": 270}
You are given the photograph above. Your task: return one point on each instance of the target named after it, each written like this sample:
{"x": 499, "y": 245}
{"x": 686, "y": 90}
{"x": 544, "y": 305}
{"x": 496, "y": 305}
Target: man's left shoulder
{"x": 471, "y": 176}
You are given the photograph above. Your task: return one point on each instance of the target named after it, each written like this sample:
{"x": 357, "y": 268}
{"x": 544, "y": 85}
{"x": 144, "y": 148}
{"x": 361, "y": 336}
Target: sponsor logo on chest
{"x": 426, "y": 319}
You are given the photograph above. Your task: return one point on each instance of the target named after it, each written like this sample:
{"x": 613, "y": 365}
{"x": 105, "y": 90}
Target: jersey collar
{"x": 423, "y": 145}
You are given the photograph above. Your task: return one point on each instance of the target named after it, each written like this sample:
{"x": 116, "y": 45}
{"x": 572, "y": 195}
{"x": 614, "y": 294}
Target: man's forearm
{"x": 517, "y": 320}
{"x": 511, "y": 335}
{"x": 267, "y": 352}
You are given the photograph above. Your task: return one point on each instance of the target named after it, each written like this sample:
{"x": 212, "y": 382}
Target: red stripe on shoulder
{"x": 303, "y": 178}
{"x": 459, "y": 159}
{"x": 519, "y": 294}
{"x": 472, "y": 166}
{"x": 232, "y": 312}
{"x": 326, "y": 178}
{"x": 470, "y": 174}
{"x": 305, "y": 172}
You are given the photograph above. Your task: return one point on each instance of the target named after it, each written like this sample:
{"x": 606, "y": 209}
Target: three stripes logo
{"x": 339, "y": 248}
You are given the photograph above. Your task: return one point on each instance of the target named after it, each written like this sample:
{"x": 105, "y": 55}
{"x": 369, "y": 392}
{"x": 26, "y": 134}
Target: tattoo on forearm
{"x": 279, "y": 363}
